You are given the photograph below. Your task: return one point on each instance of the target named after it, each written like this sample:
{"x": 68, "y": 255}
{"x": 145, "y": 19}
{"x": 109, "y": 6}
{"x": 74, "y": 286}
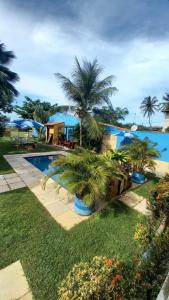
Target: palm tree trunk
{"x": 80, "y": 132}
{"x": 149, "y": 121}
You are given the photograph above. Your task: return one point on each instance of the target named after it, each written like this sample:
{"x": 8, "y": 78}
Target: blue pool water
{"x": 43, "y": 163}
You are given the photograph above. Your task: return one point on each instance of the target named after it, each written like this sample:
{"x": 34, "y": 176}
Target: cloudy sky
{"x": 129, "y": 38}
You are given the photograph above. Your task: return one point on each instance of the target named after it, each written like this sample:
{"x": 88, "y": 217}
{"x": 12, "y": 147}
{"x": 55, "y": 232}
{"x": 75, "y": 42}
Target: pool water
{"x": 43, "y": 163}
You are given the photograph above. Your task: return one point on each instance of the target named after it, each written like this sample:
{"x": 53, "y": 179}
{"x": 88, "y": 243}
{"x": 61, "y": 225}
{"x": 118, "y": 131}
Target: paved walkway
{"x": 10, "y": 182}
{"x": 135, "y": 201}
{"x": 58, "y": 202}
{"x": 13, "y": 283}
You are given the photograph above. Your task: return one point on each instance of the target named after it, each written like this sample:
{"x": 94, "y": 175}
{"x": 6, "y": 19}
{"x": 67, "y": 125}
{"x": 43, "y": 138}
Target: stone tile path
{"x": 10, "y": 182}
{"x": 58, "y": 202}
{"x": 13, "y": 283}
{"x": 135, "y": 201}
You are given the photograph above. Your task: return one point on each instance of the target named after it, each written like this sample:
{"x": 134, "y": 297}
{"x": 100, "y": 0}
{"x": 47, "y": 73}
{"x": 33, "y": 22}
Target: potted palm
{"x": 87, "y": 175}
{"x": 122, "y": 159}
{"x": 142, "y": 154}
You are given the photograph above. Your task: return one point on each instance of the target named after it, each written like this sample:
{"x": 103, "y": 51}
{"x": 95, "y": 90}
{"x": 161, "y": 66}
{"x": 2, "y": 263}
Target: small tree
{"x": 142, "y": 154}
{"x": 87, "y": 174}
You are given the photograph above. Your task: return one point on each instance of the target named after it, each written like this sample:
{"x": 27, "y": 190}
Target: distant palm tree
{"x": 7, "y": 78}
{"x": 165, "y": 105}
{"x": 87, "y": 90}
{"x": 149, "y": 106}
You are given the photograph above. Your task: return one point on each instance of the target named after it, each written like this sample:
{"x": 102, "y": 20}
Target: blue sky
{"x": 129, "y": 38}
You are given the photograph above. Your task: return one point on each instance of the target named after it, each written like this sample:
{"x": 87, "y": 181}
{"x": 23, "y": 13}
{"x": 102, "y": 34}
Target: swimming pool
{"x": 43, "y": 163}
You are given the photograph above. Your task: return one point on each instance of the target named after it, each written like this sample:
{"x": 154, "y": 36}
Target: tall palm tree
{"x": 87, "y": 90}
{"x": 7, "y": 78}
{"x": 165, "y": 105}
{"x": 149, "y": 106}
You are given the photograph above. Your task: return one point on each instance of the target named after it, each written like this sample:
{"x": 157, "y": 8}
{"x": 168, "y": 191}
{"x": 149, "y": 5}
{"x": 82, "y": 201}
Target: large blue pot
{"x": 138, "y": 177}
{"x": 81, "y": 208}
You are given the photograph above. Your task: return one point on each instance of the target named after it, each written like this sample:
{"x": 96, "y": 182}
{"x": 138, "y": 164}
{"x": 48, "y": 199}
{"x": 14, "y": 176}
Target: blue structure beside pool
{"x": 162, "y": 140}
{"x": 60, "y": 124}
{"x": 113, "y": 140}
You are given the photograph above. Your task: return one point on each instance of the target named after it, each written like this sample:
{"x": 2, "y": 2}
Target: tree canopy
{"x": 87, "y": 90}
{"x": 7, "y": 78}
{"x": 110, "y": 115}
{"x": 165, "y": 104}
{"x": 39, "y": 110}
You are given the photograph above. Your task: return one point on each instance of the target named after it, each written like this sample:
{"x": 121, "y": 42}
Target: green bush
{"x": 99, "y": 279}
{"x": 111, "y": 279}
{"x": 158, "y": 202}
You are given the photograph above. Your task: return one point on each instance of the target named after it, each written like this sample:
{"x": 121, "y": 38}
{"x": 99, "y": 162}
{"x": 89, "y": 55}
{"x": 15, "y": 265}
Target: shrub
{"x": 158, "y": 202}
{"x": 99, "y": 279}
{"x": 111, "y": 279}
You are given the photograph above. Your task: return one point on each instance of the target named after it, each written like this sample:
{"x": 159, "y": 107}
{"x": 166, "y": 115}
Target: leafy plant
{"x": 142, "y": 154}
{"x": 108, "y": 278}
{"x": 88, "y": 142}
{"x": 87, "y": 174}
{"x": 158, "y": 202}
{"x": 99, "y": 279}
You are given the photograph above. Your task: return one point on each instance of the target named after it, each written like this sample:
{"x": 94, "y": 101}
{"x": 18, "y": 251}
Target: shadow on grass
{"x": 115, "y": 208}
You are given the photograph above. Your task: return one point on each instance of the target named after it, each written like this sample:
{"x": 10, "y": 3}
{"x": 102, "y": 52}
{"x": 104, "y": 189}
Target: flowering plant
{"x": 100, "y": 279}
{"x": 158, "y": 202}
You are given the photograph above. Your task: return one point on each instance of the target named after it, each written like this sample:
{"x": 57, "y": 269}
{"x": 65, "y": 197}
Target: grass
{"x": 47, "y": 252}
{"x": 6, "y": 147}
{"x": 145, "y": 189}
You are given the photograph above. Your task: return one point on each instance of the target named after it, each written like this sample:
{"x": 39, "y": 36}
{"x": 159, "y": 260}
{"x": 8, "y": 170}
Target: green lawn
{"x": 47, "y": 252}
{"x": 6, "y": 147}
{"x": 145, "y": 189}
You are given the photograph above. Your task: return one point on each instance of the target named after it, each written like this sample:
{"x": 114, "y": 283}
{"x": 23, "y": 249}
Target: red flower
{"x": 113, "y": 282}
{"x": 108, "y": 262}
{"x": 118, "y": 277}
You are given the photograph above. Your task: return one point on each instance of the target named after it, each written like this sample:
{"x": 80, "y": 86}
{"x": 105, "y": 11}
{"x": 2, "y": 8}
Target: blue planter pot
{"x": 138, "y": 177}
{"x": 81, "y": 208}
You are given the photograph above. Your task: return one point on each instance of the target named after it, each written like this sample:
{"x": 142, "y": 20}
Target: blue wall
{"x": 162, "y": 140}
{"x": 69, "y": 120}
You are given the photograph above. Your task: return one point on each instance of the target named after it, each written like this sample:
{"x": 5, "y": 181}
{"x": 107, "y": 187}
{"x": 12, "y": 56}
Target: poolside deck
{"x": 57, "y": 201}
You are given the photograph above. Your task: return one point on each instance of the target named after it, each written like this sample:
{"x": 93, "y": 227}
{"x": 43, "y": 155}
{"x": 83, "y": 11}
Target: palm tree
{"x": 87, "y": 90}
{"x": 7, "y": 78}
{"x": 86, "y": 174}
{"x": 142, "y": 154}
{"x": 165, "y": 105}
{"x": 149, "y": 106}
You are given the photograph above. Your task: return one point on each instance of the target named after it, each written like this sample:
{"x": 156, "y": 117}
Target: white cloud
{"x": 44, "y": 47}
